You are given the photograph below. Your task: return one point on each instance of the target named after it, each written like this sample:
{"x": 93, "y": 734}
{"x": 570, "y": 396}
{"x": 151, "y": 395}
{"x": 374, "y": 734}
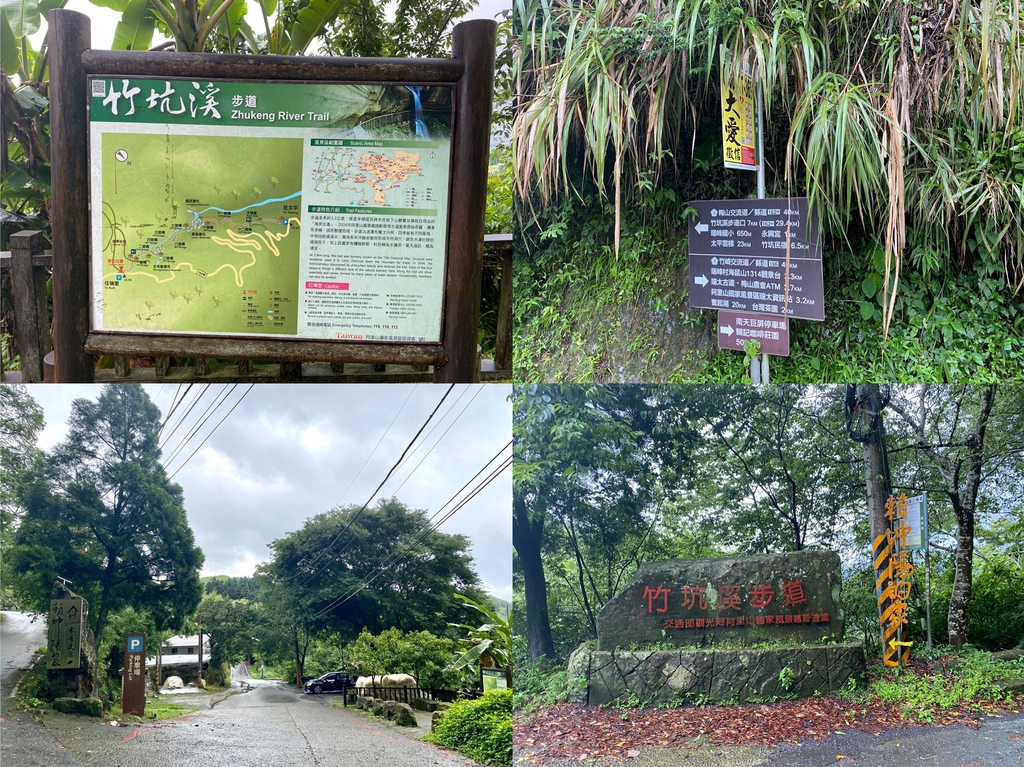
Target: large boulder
{"x": 790, "y": 598}
{"x": 173, "y": 683}
{"x": 79, "y": 706}
{"x": 400, "y": 713}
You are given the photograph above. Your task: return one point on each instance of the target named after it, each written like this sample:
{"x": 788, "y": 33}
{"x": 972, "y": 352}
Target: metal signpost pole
{"x": 761, "y": 194}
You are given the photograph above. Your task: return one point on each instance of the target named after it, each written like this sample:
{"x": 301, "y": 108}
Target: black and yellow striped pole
{"x": 892, "y": 584}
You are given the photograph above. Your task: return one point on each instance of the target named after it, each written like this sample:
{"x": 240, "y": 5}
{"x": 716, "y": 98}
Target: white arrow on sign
{"x": 727, "y": 329}
{"x": 702, "y": 228}
{"x": 702, "y": 280}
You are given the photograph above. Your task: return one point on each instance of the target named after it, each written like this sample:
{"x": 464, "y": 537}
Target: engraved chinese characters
{"x": 745, "y": 600}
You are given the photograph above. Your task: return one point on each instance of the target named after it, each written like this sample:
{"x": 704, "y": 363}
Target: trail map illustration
{"x": 201, "y": 233}
{"x": 375, "y": 177}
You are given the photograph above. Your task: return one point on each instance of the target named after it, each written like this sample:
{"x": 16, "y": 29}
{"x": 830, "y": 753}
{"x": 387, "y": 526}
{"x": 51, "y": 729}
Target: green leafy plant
{"x": 480, "y": 729}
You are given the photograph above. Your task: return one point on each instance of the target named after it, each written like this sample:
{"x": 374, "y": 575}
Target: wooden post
{"x": 474, "y": 42}
{"x": 28, "y": 284}
{"x": 69, "y": 35}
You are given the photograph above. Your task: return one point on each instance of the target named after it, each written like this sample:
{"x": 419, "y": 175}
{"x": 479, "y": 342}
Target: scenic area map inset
{"x": 303, "y": 210}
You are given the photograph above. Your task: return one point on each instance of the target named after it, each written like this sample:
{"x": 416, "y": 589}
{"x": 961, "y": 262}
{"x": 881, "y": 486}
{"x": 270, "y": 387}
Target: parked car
{"x": 333, "y": 681}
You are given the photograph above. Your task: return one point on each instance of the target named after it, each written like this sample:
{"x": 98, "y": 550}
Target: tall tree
{"x": 378, "y": 569}
{"x": 774, "y": 466}
{"x": 590, "y": 463}
{"x": 950, "y": 426}
{"x": 21, "y": 420}
{"x": 100, "y": 511}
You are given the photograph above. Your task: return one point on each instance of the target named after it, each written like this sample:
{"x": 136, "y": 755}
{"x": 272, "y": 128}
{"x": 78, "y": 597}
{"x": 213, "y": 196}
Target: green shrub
{"x": 480, "y": 729}
{"x": 538, "y": 686}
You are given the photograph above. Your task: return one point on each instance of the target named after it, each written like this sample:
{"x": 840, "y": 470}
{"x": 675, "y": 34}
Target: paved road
{"x": 23, "y": 742}
{"x": 272, "y": 725}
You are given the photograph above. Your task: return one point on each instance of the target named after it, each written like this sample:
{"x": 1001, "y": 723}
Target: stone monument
{"x": 718, "y": 630}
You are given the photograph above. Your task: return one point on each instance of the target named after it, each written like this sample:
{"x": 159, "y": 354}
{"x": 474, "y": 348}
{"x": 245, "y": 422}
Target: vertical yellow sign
{"x": 739, "y": 114}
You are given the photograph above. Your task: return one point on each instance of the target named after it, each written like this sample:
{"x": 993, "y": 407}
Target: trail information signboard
{"x": 761, "y": 256}
{"x": 917, "y": 522}
{"x": 287, "y": 209}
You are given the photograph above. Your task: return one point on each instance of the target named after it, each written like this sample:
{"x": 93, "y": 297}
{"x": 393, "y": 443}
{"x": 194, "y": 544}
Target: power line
{"x": 373, "y": 495}
{"x": 165, "y": 438}
{"x": 206, "y": 416}
{"x": 438, "y": 442}
{"x": 389, "y": 564}
{"x": 232, "y": 410}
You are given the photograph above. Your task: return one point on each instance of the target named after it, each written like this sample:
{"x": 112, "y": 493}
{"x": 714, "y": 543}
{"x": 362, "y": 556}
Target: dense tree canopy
{"x": 377, "y": 570}
{"x": 100, "y": 511}
{"x": 21, "y": 420}
{"x": 607, "y": 478}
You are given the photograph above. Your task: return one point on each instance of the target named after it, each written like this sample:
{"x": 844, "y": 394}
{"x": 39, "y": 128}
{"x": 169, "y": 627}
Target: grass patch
{"x": 480, "y": 729}
{"x": 537, "y": 687}
{"x": 927, "y": 689}
{"x": 33, "y": 688}
{"x": 156, "y": 709}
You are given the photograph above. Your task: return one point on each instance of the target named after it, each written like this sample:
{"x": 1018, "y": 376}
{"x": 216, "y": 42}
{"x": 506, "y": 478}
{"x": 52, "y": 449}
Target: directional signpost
{"x": 761, "y": 256}
{"x": 133, "y": 686}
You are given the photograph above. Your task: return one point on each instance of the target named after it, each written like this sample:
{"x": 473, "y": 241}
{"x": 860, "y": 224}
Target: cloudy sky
{"x": 286, "y": 453}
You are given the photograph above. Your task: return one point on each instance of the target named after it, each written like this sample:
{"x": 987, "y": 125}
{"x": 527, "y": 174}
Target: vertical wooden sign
{"x": 64, "y": 633}
{"x": 133, "y": 681}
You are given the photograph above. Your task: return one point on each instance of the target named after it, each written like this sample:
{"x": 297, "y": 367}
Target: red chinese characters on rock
{"x": 652, "y": 594}
{"x": 731, "y": 597}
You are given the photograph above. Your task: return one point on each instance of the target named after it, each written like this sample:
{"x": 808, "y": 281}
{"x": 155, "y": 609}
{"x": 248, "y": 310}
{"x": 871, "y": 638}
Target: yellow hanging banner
{"x": 739, "y": 114}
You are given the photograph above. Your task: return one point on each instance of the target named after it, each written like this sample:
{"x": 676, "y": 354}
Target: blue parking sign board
{"x": 136, "y": 643}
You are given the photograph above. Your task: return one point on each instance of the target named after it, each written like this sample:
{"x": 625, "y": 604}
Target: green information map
{"x": 298, "y": 210}
{"x": 201, "y": 233}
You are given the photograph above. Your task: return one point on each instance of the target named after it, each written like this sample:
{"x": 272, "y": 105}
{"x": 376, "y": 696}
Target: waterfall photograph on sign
{"x": 690, "y": 560}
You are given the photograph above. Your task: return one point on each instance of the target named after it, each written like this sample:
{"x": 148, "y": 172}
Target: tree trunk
{"x": 527, "y": 538}
{"x": 964, "y": 502}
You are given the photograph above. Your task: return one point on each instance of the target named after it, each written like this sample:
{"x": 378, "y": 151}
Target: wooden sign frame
{"x": 470, "y": 73}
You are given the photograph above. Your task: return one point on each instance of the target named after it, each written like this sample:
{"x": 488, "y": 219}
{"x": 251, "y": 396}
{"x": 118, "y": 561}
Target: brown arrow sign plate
{"x": 736, "y": 328}
{"x": 739, "y": 253}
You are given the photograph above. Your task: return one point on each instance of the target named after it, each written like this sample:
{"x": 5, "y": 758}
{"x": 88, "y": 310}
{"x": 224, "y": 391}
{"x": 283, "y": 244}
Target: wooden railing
{"x": 26, "y": 312}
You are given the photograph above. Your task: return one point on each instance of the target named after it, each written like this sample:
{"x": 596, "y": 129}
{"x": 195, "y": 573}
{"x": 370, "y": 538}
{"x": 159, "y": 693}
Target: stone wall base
{"x": 672, "y": 677}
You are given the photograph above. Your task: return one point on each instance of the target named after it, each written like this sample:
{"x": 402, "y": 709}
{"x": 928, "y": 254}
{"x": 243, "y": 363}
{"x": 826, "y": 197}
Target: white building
{"x": 179, "y": 650}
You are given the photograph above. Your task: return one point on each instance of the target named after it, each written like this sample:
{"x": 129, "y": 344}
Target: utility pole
{"x": 864, "y": 424}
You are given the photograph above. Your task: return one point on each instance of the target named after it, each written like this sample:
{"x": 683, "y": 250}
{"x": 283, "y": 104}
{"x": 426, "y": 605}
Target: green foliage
{"x": 231, "y": 625}
{"x": 498, "y": 218}
{"x": 576, "y": 308}
{"x": 335, "y": 553}
{"x": 480, "y": 729}
{"x": 420, "y": 28}
{"x": 968, "y": 678}
{"x": 21, "y": 420}
{"x": 837, "y": 80}
{"x": 100, "y": 511}
{"x": 33, "y": 688}
{"x": 997, "y": 587}
{"x": 489, "y": 643}
{"x": 419, "y": 653}
{"x": 537, "y": 686}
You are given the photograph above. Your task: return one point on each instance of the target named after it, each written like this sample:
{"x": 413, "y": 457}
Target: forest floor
{"x": 755, "y": 734}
